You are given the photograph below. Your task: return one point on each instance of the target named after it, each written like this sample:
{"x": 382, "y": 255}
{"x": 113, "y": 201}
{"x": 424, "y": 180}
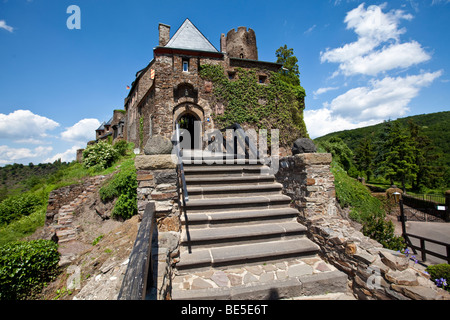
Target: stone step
{"x": 245, "y": 190}
{"x": 223, "y": 236}
{"x": 245, "y": 253}
{"x": 203, "y": 180}
{"x": 218, "y": 161}
{"x": 226, "y": 170}
{"x": 232, "y": 203}
{"x": 214, "y": 218}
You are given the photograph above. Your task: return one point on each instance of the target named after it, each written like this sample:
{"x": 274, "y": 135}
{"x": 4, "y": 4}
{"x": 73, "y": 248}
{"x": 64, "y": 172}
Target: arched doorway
{"x": 188, "y": 122}
{"x": 190, "y": 118}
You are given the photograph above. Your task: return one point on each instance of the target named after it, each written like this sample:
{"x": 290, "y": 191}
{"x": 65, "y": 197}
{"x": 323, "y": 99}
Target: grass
{"x": 73, "y": 174}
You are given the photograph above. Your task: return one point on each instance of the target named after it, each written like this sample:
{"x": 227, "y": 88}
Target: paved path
{"x": 219, "y": 281}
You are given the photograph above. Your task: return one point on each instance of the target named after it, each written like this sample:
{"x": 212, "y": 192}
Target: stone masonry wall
{"x": 158, "y": 182}
{"x": 375, "y": 273}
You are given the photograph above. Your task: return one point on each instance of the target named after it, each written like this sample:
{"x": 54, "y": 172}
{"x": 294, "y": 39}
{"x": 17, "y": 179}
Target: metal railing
{"x": 139, "y": 274}
{"x": 434, "y": 205}
{"x": 180, "y": 167}
{"x": 434, "y": 198}
{"x": 423, "y": 249}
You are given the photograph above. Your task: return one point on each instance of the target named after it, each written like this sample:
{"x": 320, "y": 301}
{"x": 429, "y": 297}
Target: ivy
{"x": 275, "y": 105}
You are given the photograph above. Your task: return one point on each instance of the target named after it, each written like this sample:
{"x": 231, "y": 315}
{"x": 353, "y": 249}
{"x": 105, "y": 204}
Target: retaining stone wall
{"x": 375, "y": 273}
{"x": 158, "y": 182}
{"x": 62, "y": 203}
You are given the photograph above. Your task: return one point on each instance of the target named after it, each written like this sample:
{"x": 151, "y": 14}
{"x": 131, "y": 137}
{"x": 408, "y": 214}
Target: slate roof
{"x": 189, "y": 37}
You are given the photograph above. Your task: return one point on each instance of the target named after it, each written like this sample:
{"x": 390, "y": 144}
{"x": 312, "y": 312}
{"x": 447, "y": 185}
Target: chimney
{"x": 164, "y": 34}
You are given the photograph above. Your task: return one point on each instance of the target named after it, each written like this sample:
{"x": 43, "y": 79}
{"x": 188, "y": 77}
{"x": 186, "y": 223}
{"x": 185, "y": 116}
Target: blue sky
{"x": 360, "y": 62}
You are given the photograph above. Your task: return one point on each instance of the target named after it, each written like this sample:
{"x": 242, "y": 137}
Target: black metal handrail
{"x": 180, "y": 165}
{"x": 137, "y": 280}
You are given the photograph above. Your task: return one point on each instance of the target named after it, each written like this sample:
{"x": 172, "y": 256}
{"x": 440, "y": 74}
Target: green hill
{"x": 435, "y": 171}
{"x": 434, "y": 125}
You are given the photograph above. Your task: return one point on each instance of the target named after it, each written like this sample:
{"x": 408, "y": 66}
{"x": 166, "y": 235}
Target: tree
{"x": 399, "y": 156}
{"x": 290, "y": 72}
{"x": 364, "y": 154}
{"x": 428, "y": 173}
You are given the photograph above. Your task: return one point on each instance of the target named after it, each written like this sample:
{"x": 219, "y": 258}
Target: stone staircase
{"x": 241, "y": 239}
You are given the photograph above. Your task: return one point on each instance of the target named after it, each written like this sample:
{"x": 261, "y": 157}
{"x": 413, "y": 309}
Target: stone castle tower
{"x": 240, "y": 44}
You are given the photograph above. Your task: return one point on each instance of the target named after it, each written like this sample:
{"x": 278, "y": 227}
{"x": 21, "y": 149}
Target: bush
{"x": 122, "y": 186}
{"x": 100, "y": 156}
{"x": 15, "y": 207}
{"x": 121, "y": 147}
{"x": 365, "y": 209}
{"x": 440, "y": 274}
{"x": 25, "y": 267}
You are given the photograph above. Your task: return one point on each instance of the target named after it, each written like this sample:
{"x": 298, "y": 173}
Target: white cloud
{"x": 322, "y": 121}
{"x": 320, "y": 91}
{"x": 391, "y": 57}
{"x": 310, "y": 29}
{"x": 10, "y": 155}
{"x": 364, "y": 106}
{"x": 82, "y": 131}
{"x": 66, "y": 156}
{"x": 382, "y": 99}
{"x": 23, "y": 124}
{"x": 3, "y": 25}
{"x": 378, "y": 48}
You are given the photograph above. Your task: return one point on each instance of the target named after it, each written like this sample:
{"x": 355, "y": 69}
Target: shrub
{"x": 25, "y": 267}
{"x": 121, "y": 147}
{"x": 122, "y": 186}
{"x": 440, "y": 274}
{"x": 15, "y": 207}
{"x": 99, "y": 156}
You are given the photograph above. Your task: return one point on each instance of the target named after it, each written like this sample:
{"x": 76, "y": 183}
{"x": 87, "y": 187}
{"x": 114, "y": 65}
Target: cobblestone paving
{"x": 251, "y": 274}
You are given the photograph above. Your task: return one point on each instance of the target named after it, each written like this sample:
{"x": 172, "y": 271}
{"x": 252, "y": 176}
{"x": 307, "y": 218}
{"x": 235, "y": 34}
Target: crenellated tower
{"x": 240, "y": 44}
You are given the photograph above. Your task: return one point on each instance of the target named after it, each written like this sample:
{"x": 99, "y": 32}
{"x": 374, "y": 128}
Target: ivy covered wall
{"x": 274, "y": 104}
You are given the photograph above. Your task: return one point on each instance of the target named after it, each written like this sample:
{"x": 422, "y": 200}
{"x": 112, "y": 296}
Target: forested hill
{"x": 434, "y": 125}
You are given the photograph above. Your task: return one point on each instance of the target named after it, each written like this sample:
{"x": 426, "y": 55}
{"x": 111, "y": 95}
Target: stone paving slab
{"x": 272, "y": 280}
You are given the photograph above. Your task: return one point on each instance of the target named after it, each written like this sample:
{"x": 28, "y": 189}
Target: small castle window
{"x": 185, "y": 65}
{"x": 262, "y": 79}
{"x": 241, "y": 56}
{"x": 231, "y": 75}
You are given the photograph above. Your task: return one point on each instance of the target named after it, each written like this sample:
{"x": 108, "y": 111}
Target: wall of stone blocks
{"x": 375, "y": 273}
{"x": 158, "y": 182}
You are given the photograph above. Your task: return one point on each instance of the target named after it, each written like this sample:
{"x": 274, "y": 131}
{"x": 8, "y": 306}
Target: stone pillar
{"x": 307, "y": 179}
{"x": 158, "y": 182}
{"x": 319, "y": 191}
{"x": 80, "y": 155}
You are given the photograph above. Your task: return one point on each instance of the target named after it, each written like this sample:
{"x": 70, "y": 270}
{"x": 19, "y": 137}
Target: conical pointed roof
{"x": 189, "y": 37}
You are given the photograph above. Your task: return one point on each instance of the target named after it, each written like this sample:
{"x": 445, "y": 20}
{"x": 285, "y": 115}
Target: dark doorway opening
{"x": 189, "y": 122}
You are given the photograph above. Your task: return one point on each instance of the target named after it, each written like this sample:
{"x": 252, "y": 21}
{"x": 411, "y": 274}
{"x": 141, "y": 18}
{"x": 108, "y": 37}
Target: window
{"x": 262, "y": 79}
{"x": 185, "y": 65}
{"x": 231, "y": 75}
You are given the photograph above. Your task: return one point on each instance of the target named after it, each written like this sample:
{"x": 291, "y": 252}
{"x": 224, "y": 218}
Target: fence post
{"x": 447, "y": 206}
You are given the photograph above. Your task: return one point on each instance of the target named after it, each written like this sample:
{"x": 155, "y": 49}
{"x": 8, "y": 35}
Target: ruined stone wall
{"x": 375, "y": 273}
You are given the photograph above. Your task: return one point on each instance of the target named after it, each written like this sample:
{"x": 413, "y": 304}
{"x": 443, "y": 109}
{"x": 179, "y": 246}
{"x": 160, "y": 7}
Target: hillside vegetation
{"x": 411, "y": 152}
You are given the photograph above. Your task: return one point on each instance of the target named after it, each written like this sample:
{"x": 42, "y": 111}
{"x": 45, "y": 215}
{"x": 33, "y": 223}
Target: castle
{"x": 169, "y": 90}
